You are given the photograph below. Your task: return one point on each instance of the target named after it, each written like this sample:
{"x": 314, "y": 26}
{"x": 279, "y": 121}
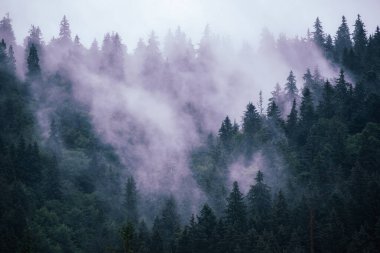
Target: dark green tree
{"x": 205, "y": 230}
{"x": 3, "y": 55}
{"x": 273, "y": 112}
{"x": 227, "y": 132}
{"x": 128, "y": 235}
{"x": 326, "y": 106}
{"x": 292, "y": 121}
{"x": 329, "y": 48}
{"x": 291, "y": 87}
{"x": 307, "y": 114}
{"x": 359, "y": 37}
{"x": 156, "y": 243}
{"x": 235, "y": 218}
{"x": 169, "y": 225}
{"x": 131, "y": 201}
{"x": 251, "y": 121}
{"x": 34, "y": 70}
{"x": 342, "y": 39}
{"x": 259, "y": 204}
{"x": 11, "y": 60}
{"x": 318, "y": 34}
{"x": 235, "y": 213}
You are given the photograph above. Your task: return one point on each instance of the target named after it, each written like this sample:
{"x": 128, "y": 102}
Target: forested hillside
{"x": 105, "y": 150}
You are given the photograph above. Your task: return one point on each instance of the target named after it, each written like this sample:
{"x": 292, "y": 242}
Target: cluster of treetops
{"x": 329, "y": 142}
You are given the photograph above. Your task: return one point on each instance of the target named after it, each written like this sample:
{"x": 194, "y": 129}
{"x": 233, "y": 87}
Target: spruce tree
{"x": 235, "y": 213}
{"x": 11, "y": 60}
{"x": 128, "y": 235}
{"x": 274, "y": 113}
{"x": 205, "y": 230}
{"x": 251, "y": 120}
{"x": 3, "y": 54}
{"x": 359, "y": 37}
{"x": 64, "y": 30}
{"x": 169, "y": 224}
{"x": 291, "y": 87}
{"x": 259, "y": 204}
{"x": 326, "y": 106}
{"x": 342, "y": 39}
{"x": 34, "y": 70}
{"x": 156, "y": 243}
{"x": 292, "y": 120}
{"x": 235, "y": 219}
{"x": 318, "y": 34}
{"x": 131, "y": 201}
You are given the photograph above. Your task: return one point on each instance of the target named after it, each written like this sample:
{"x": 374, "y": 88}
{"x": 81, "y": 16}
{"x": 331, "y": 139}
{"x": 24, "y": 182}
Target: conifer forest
{"x": 182, "y": 145}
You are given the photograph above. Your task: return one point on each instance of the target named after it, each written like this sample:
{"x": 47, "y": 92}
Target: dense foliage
{"x": 318, "y": 190}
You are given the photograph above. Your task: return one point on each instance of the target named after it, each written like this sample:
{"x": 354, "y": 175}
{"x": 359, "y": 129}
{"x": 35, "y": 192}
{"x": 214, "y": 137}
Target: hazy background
{"x": 241, "y": 20}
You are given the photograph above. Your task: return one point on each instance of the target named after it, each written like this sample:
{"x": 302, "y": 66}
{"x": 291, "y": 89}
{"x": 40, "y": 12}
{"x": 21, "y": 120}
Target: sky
{"x": 239, "y": 20}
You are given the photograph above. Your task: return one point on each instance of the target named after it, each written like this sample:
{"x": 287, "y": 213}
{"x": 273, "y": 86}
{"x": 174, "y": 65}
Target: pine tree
{"x": 260, "y": 103}
{"x": 143, "y": 238}
{"x": 235, "y": 218}
{"x": 226, "y": 131}
{"x": 326, "y": 107}
{"x": 6, "y": 31}
{"x": 274, "y": 113}
{"x": 251, "y": 120}
{"x": 11, "y": 60}
{"x": 276, "y": 94}
{"x": 34, "y": 37}
{"x": 205, "y": 229}
{"x": 185, "y": 242}
{"x": 308, "y": 79}
{"x": 307, "y": 116}
{"x": 306, "y": 109}
{"x": 131, "y": 201}
{"x": 359, "y": 37}
{"x": 128, "y": 235}
{"x": 342, "y": 39}
{"x": 3, "y": 55}
{"x": 280, "y": 210}
{"x": 33, "y": 60}
{"x": 292, "y": 120}
{"x": 318, "y": 34}
{"x": 236, "y": 210}
{"x": 156, "y": 244}
{"x": 64, "y": 30}
{"x": 329, "y": 48}
{"x": 153, "y": 58}
{"x": 291, "y": 87}
{"x": 169, "y": 224}
{"x": 259, "y": 204}
{"x": 342, "y": 96}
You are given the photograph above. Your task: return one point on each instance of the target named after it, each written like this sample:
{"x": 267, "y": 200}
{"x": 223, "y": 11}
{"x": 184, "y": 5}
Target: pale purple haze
{"x": 151, "y": 117}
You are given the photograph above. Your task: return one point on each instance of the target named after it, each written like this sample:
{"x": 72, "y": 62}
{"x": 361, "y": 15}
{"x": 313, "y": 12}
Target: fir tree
{"x": 251, "y": 120}
{"x": 11, "y": 60}
{"x": 292, "y": 120}
{"x": 318, "y": 34}
{"x": 359, "y": 37}
{"x": 33, "y": 63}
{"x": 291, "y": 87}
{"x": 131, "y": 201}
{"x": 342, "y": 39}
{"x": 259, "y": 203}
{"x": 64, "y": 30}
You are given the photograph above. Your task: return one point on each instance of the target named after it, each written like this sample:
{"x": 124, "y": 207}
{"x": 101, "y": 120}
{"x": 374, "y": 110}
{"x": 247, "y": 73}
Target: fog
{"x": 156, "y": 106}
{"x": 241, "y": 20}
{"x": 156, "y": 100}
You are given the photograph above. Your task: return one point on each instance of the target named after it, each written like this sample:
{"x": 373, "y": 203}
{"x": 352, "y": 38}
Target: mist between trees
{"x": 190, "y": 147}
